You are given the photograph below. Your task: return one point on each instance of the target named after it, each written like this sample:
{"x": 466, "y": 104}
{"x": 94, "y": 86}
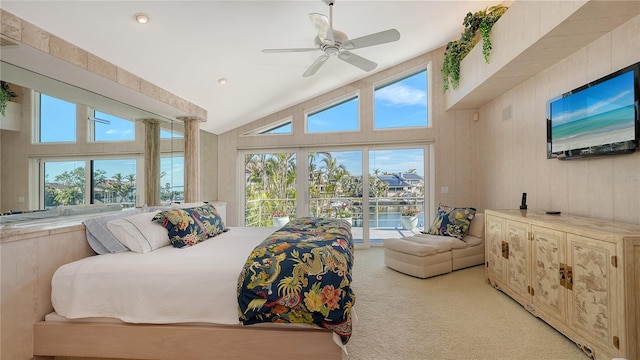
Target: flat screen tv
{"x": 599, "y": 118}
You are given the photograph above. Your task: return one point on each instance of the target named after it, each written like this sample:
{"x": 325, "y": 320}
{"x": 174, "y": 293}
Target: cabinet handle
{"x": 569, "y": 278}
{"x": 505, "y": 249}
{"x": 563, "y": 275}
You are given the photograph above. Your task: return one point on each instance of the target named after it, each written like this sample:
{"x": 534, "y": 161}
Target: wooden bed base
{"x": 184, "y": 342}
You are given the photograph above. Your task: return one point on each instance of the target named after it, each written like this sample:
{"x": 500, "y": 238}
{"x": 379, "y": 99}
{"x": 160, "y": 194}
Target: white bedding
{"x": 167, "y": 285}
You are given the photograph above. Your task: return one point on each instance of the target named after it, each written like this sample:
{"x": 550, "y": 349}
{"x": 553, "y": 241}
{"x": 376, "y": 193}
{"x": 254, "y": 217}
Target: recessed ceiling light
{"x": 222, "y": 81}
{"x": 141, "y": 18}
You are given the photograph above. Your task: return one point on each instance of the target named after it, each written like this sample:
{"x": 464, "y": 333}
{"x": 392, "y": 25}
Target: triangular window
{"x": 281, "y": 127}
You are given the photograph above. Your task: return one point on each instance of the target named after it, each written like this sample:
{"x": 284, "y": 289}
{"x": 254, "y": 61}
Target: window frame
{"x": 36, "y": 121}
{"x": 263, "y": 130}
{"x": 397, "y": 78}
{"x": 331, "y": 104}
{"x": 38, "y": 164}
{"x": 91, "y": 127}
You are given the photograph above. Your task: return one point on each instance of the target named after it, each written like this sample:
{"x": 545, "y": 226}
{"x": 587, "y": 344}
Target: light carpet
{"x": 457, "y": 316}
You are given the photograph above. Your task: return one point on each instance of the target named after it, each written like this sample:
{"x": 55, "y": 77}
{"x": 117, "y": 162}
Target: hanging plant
{"x": 5, "y": 95}
{"x": 476, "y": 25}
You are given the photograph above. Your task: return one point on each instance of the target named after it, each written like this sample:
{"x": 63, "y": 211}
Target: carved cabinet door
{"x": 518, "y": 260}
{"x": 547, "y": 269}
{"x": 494, "y": 239}
{"x": 593, "y": 300}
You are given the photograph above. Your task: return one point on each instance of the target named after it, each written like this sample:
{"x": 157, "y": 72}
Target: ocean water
{"x": 386, "y": 220}
{"x": 618, "y": 119}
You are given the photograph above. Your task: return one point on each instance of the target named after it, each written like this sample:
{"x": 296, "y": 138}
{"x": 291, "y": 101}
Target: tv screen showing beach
{"x": 597, "y": 115}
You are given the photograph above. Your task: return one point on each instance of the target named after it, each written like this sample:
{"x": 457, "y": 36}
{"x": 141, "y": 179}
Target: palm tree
{"x": 99, "y": 184}
{"x": 120, "y": 189}
{"x": 269, "y": 177}
{"x": 333, "y": 172}
{"x": 73, "y": 190}
{"x": 131, "y": 178}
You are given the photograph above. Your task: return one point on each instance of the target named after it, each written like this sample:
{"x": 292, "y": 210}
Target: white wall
{"x": 512, "y": 151}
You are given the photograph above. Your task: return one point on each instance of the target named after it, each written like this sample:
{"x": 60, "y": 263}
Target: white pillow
{"x": 139, "y": 233}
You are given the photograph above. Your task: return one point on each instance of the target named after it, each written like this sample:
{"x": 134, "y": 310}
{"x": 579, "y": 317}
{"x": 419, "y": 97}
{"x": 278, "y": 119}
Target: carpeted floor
{"x": 456, "y": 316}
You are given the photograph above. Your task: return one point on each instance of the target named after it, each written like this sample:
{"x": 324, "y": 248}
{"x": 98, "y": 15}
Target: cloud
{"x": 402, "y": 95}
{"x": 122, "y": 133}
{"x": 593, "y": 108}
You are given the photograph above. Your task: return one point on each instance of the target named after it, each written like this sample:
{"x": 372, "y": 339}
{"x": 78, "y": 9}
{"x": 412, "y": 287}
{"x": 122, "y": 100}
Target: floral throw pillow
{"x": 190, "y": 226}
{"x": 452, "y": 222}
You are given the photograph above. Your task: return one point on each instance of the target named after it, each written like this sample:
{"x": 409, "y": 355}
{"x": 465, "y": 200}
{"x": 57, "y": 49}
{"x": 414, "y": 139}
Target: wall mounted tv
{"x": 599, "y": 118}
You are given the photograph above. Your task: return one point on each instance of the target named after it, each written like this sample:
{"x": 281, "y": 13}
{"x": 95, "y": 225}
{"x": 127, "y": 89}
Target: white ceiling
{"x": 188, "y": 45}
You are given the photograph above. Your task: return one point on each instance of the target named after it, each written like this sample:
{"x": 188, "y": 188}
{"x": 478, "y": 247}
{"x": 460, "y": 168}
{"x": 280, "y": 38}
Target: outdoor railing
{"x": 384, "y": 212}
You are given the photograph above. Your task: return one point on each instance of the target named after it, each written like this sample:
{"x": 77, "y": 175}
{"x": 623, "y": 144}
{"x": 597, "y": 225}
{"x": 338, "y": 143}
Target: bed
{"x": 185, "y": 303}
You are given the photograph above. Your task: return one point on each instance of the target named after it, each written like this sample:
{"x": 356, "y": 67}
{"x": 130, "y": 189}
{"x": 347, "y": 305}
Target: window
{"x": 339, "y": 117}
{"x": 283, "y": 126}
{"x": 171, "y": 179}
{"x": 270, "y": 187}
{"x": 56, "y": 120}
{"x": 402, "y": 103}
{"x": 280, "y": 129}
{"x": 114, "y": 182}
{"x": 170, "y": 134}
{"x": 64, "y": 183}
{"x": 112, "y": 128}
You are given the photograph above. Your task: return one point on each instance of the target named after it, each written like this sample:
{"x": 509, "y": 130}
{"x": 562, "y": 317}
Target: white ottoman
{"x": 418, "y": 256}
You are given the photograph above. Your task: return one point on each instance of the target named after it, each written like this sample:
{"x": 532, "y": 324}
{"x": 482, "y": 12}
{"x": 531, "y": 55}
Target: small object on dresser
{"x": 523, "y": 203}
{"x": 553, "y": 212}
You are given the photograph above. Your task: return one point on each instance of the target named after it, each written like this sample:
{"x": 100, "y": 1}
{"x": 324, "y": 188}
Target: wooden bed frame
{"x": 184, "y": 342}
{"x": 119, "y": 340}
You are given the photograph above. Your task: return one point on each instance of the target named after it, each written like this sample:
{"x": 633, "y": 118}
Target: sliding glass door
{"x": 333, "y": 183}
{"x": 270, "y": 188}
{"x": 397, "y": 192}
{"x": 335, "y": 187}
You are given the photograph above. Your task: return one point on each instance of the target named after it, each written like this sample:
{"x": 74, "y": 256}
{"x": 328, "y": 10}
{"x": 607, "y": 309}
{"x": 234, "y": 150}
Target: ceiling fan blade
{"x": 316, "y": 65}
{"x": 357, "y": 60}
{"x": 323, "y": 27}
{"x": 372, "y": 39}
{"x": 289, "y": 50}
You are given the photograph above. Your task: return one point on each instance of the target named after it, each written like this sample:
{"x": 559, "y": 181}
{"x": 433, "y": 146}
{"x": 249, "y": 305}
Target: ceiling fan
{"x": 333, "y": 42}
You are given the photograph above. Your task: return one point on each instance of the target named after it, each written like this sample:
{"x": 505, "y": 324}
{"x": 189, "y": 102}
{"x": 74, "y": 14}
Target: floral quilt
{"x": 301, "y": 274}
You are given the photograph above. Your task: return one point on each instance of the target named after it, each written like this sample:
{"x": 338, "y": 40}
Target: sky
{"x": 390, "y": 161}
{"x": 605, "y": 96}
{"x": 58, "y": 125}
{"x": 399, "y": 104}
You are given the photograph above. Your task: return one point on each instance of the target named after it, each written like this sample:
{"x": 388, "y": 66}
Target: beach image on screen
{"x": 601, "y": 114}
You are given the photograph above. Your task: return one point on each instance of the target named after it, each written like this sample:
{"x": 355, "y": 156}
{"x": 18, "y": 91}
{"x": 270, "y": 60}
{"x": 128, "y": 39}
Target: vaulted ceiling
{"x": 187, "y": 46}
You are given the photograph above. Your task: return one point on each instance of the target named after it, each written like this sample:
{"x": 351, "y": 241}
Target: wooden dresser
{"x": 580, "y": 275}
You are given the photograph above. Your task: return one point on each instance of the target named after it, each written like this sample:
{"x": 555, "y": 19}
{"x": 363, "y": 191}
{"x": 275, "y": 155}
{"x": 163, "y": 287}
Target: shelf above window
{"x": 530, "y": 37}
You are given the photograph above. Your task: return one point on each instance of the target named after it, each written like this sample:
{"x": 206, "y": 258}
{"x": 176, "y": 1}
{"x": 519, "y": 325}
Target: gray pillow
{"x": 100, "y": 238}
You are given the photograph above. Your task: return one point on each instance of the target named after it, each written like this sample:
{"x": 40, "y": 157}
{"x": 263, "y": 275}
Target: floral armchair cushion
{"x": 190, "y": 226}
{"x": 452, "y": 222}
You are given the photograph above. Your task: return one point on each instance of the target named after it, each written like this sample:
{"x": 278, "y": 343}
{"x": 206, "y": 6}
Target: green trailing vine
{"x": 480, "y": 23}
{"x": 5, "y": 95}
